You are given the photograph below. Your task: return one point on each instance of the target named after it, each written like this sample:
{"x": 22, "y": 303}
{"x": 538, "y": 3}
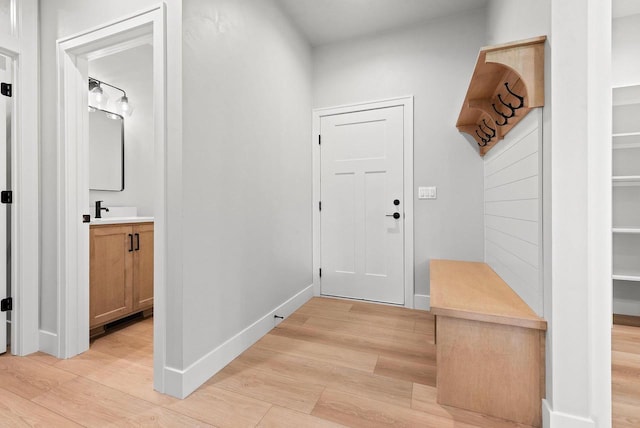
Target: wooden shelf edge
{"x": 520, "y": 65}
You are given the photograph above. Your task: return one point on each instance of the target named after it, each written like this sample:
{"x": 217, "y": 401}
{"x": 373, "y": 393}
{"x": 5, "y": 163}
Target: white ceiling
{"x": 625, "y": 8}
{"x": 328, "y": 21}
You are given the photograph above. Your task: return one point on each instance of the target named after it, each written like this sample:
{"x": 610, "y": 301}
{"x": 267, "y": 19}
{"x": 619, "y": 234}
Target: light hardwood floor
{"x": 626, "y": 376}
{"x": 332, "y": 363}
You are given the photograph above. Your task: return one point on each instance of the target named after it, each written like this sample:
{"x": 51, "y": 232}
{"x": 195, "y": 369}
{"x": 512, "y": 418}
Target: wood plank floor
{"x": 332, "y": 363}
{"x": 626, "y": 376}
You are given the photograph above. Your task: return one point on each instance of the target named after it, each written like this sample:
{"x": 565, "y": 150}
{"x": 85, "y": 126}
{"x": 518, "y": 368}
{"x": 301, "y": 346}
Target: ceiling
{"x": 328, "y": 21}
{"x": 625, "y": 8}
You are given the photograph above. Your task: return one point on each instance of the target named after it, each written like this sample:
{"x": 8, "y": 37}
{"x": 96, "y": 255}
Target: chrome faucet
{"x": 100, "y": 208}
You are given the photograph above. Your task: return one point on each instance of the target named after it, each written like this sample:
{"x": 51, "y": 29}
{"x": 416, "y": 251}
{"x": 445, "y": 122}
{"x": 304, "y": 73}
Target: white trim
{"x": 422, "y": 302}
{"x": 146, "y": 39}
{"x": 181, "y": 383}
{"x": 551, "y": 419}
{"x": 22, "y": 48}
{"x": 73, "y": 240}
{"x": 407, "y": 104}
{"x": 48, "y": 342}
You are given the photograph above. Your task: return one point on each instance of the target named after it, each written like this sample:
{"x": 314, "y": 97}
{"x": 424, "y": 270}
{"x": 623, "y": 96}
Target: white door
{"x": 362, "y": 214}
{"x": 3, "y": 208}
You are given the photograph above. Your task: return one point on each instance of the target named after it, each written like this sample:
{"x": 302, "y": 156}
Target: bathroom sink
{"x": 119, "y": 220}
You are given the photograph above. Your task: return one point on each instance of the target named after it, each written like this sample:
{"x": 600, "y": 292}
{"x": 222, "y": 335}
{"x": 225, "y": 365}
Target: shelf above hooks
{"x": 507, "y": 82}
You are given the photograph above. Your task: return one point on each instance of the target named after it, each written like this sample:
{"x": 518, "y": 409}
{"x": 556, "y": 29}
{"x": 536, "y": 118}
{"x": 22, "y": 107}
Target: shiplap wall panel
{"x": 514, "y": 272}
{"x": 525, "y": 251}
{"x": 525, "y": 230}
{"x": 527, "y": 188}
{"x": 519, "y": 169}
{"x": 512, "y": 195}
{"x": 519, "y": 209}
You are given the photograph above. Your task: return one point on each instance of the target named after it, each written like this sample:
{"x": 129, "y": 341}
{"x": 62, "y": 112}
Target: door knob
{"x": 394, "y": 215}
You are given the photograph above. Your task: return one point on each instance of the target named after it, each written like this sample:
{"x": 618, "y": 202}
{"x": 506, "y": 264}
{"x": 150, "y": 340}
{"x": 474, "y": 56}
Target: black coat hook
{"x": 520, "y": 99}
{"x": 507, "y": 105}
{"x": 505, "y": 117}
{"x": 493, "y": 131}
{"x": 487, "y": 135}
{"x": 484, "y": 140}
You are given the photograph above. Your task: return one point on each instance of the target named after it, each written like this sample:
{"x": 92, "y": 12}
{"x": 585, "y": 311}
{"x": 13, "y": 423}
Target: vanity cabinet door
{"x": 143, "y": 266}
{"x": 110, "y": 273}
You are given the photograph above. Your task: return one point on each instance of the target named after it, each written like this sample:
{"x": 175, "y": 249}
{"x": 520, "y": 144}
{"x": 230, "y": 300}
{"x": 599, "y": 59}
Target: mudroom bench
{"x": 490, "y": 343}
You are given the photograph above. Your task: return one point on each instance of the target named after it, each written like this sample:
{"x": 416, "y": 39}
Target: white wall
{"x": 433, "y": 62}
{"x": 513, "y": 208}
{"x": 59, "y": 19}
{"x": 246, "y": 199}
{"x": 131, "y": 70}
{"x": 509, "y": 20}
{"x": 626, "y": 50}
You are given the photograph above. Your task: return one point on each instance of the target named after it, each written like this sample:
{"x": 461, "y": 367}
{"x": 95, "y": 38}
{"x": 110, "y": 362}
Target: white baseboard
{"x": 181, "y": 383}
{"x": 48, "y": 343}
{"x": 551, "y": 419}
{"x": 422, "y": 301}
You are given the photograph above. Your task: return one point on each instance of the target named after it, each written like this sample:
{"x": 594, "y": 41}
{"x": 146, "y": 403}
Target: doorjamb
{"x": 407, "y": 104}
{"x": 73, "y": 237}
{"x": 22, "y": 48}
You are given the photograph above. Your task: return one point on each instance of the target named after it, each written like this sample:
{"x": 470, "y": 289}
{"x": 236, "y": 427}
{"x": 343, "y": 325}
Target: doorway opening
{"x": 112, "y": 249}
{"x": 121, "y": 166}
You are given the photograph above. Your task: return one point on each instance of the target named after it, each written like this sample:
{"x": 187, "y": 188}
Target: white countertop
{"x": 120, "y": 220}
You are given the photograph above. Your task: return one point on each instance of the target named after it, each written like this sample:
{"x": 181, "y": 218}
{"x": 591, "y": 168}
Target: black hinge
{"x": 6, "y": 196}
{"x": 320, "y": 272}
{"x": 319, "y": 139}
{"x": 320, "y": 206}
{"x": 6, "y": 304}
{"x": 6, "y": 89}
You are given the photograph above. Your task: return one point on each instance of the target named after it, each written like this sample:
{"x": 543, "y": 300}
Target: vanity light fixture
{"x": 98, "y": 98}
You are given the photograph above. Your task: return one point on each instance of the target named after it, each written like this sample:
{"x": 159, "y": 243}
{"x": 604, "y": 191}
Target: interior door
{"x": 362, "y": 215}
{"x": 4, "y": 284}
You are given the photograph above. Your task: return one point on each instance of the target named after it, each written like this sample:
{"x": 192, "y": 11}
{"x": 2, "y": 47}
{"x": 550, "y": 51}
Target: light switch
{"x": 427, "y": 193}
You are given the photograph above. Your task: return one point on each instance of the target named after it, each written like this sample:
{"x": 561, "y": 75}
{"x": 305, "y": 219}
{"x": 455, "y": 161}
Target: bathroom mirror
{"x": 106, "y": 151}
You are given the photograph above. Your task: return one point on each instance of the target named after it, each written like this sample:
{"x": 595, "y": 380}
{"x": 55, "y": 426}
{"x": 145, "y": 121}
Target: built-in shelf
{"x": 626, "y": 230}
{"x": 628, "y": 140}
{"x": 626, "y": 180}
{"x": 507, "y": 82}
{"x": 626, "y": 134}
{"x": 621, "y": 276}
{"x": 625, "y": 95}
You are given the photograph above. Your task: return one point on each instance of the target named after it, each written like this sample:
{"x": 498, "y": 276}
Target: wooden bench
{"x": 490, "y": 344}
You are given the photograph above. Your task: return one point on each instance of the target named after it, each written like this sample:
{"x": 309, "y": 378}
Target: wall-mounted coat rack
{"x": 507, "y": 82}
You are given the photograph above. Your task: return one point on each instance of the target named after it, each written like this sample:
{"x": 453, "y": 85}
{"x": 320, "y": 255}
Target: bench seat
{"x": 490, "y": 343}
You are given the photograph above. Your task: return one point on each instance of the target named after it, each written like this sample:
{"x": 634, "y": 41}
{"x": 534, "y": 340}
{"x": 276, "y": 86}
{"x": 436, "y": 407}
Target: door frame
{"x": 22, "y": 47}
{"x": 73, "y": 178}
{"x": 318, "y": 114}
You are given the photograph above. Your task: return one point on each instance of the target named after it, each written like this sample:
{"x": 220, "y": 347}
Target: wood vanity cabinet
{"x": 120, "y": 272}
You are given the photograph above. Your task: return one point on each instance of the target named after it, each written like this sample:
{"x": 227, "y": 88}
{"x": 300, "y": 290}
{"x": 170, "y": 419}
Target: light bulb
{"x": 97, "y": 98}
{"x": 123, "y": 106}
